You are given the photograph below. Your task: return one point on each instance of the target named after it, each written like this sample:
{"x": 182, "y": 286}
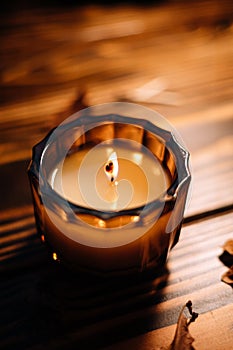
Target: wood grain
{"x": 202, "y": 331}
{"x": 39, "y": 296}
{"x": 78, "y": 50}
{"x": 56, "y": 61}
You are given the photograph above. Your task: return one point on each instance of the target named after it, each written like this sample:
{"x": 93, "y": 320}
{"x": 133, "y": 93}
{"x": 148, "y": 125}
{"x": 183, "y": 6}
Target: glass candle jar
{"x": 110, "y": 189}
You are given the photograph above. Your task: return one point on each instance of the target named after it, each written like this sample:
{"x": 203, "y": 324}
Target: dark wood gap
{"x": 207, "y": 214}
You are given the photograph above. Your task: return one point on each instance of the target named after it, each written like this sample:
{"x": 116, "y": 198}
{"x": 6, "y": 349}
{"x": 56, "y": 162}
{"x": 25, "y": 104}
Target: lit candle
{"x": 109, "y": 193}
{"x": 137, "y": 177}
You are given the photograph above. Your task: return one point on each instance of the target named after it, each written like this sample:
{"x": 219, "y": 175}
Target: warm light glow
{"x": 111, "y": 167}
{"x": 42, "y": 238}
{"x": 55, "y": 256}
{"x": 101, "y": 223}
{"x": 135, "y": 218}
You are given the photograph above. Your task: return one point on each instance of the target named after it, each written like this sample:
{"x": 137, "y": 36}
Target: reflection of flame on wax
{"x": 111, "y": 167}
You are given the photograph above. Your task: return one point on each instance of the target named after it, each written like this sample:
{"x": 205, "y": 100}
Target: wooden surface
{"x": 51, "y": 57}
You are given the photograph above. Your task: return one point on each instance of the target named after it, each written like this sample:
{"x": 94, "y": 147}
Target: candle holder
{"x": 108, "y": 240}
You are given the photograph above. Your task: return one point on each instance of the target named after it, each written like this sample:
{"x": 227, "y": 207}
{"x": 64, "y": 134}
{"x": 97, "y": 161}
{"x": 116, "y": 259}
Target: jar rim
{"x": 179, "y": 153}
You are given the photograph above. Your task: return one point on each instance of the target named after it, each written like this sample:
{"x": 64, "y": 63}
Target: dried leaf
{"x": 182, "y": 339}
{"x": 227, "y": 259}
{"x": 228, "y": 246}
{"x": 227, "y": 277}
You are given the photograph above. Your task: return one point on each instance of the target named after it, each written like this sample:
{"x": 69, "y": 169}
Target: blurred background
{"x": 175, "y": 57}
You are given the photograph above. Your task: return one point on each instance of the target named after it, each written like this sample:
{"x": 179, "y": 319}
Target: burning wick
{"x": 111, "y": 167}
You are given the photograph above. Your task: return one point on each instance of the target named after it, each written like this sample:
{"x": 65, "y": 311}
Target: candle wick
{"x": 111, "y": 168}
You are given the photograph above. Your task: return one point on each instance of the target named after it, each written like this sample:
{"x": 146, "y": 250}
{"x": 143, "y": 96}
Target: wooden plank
{"x": 212, "y": 330}
{"x": 191, "y": 61}
{"x": 63, "y": 310}
{"x": 212, "y": 169}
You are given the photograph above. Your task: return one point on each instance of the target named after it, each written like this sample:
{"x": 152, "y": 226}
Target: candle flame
{"x": 111, "y": 167}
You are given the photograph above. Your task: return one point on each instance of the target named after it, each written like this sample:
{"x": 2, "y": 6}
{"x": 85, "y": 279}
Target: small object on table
{"x": 109, "y": 187}
{"x": 183, "y": 339}
{"x": 227, "y": 258}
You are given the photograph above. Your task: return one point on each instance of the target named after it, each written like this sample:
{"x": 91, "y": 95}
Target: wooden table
{"x": 103, "y": 54}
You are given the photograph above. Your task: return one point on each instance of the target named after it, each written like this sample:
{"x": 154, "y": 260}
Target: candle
{"x": 109, "y": 192}
{"x": 82, "y": 179}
